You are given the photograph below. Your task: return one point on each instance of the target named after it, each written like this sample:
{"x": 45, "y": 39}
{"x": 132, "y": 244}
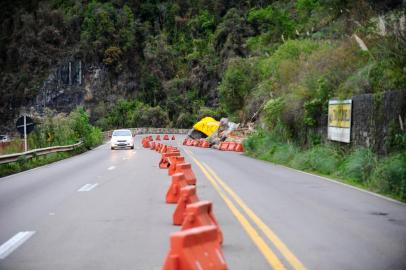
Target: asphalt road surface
{"x": 105, "y": 210}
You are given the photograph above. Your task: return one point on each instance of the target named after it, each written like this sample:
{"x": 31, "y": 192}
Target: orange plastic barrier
{"x": 185, "y": 141}
{"x": 223, "y": 146}
{"x": 172, "y": 163}
{"x": 201, "y": 214}
{"x": 163, "y": 149}
{"x": 195, "y": 249}
{"x": 186, "y": 169}
{"x": 173, "y": 138}
{"x": 231, "y": 146}
{"x": 239, "y": 148}
{"x": 205, "y": 144}
{"x": 189, "y": 142}
{"x": 171, "y": 149}
{"x": 195, "y": 143}
{"x": 166, "y": 137}
{"x": 158, "y": 138}
{"x": 158, "y": 147}
{"x": 164, "y": 162}
{"x": 152, "y": 145}
{"x": 173, "y": 193}
{"x": 187, "y": 196}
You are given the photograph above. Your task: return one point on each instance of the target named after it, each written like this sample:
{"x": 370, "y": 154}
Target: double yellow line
{"x": 226, "y": 193}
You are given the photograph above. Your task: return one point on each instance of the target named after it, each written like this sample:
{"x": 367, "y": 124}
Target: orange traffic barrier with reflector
{"x": 173, "y": 193}
{"x": 171, "y": 149}
{"x": 205, "y": 144}
{"x": 195, "y": 248}
{"x": 172, "y": 163}
{"x": 166, "y": 137}
{"x": 187, "y": 196}
{"x": 239, "y": 148}
{"x": 186, "y": 169}
{"x": 152, "y": 145}
{"x": 158, "y": 138}
{"x": 185, "y": 141}
{"x": 231, "y": 146}
{"x": 164, "y": 162}
{"x": 195, "y": 143}
{"x": 163, "y": 148}
{"x": 173, "y": 138}
{"x": 201, "y": 214}
{"x": 223, "y": 146}
{"x": 158, "y": 148}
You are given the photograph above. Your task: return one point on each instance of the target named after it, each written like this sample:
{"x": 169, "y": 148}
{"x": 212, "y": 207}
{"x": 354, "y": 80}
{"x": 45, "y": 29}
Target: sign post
{"x": 25, "y": 125}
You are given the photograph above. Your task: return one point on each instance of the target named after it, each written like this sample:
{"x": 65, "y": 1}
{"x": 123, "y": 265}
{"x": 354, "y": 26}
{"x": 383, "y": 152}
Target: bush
{"x": 390, "y": 176}
{"x": 239, "y": 80}
{"x": 323, "y": 159}
{"x": 91, "y": 136}
{"x": 358, "y": 165}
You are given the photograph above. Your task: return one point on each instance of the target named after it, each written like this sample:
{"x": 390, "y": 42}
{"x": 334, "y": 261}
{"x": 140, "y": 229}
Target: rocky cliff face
{"x": 70, "y": 84}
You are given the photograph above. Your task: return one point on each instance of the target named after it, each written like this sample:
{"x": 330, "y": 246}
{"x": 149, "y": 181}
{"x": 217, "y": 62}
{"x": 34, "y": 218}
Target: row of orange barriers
{"x": 224, "y": 146}
{"x": 198, "y": 244}
{"x": 158, "y": 137}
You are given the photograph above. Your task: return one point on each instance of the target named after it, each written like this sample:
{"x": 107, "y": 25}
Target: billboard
{"x": 339, "y": 120}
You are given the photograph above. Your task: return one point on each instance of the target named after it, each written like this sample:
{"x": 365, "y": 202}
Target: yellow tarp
{"x": 207, "y": 125}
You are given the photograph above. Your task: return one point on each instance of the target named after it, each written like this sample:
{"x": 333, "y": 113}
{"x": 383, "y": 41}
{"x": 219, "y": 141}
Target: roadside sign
{"x": 29, "y": 124}
{"x": 339, "y": 120}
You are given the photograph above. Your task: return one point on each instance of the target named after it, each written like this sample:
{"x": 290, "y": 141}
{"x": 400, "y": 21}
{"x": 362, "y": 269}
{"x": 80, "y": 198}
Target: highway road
{"x": 106, "y": 210}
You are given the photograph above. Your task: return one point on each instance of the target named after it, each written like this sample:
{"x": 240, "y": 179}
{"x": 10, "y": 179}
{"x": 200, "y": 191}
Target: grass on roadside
{"x": 24, "y": 164}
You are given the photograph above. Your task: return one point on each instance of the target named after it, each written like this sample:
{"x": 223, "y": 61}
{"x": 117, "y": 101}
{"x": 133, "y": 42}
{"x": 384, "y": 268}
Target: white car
{"x": 122, "y": 138}
{"x": 4, "y": 138}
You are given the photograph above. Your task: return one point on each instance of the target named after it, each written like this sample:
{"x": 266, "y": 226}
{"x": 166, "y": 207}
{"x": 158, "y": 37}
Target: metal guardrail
{"x": 37, "y": 152}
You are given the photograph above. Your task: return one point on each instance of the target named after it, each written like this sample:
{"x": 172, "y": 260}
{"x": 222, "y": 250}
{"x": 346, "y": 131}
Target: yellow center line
{"x": 271, "y": 258}
{"x": 290, "y": 257}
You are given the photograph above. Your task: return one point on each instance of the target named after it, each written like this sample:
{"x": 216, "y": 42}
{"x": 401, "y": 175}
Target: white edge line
{"x": 347, "y": 185}
{"x": 14, "y": 242}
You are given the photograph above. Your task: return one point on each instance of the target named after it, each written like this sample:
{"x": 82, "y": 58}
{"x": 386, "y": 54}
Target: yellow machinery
{"x": 207, "y": 125}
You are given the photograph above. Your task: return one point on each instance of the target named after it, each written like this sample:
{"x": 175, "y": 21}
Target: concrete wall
{"x": 374, "y": 117}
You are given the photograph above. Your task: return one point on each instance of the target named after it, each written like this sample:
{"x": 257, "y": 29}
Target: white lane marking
{"x": 13, "y": 243}
{"x": 111, "y": 168}
{"x": 87, "y": 187}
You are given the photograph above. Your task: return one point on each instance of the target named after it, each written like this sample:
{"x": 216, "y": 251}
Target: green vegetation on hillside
{"x": 229, "y": 55}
